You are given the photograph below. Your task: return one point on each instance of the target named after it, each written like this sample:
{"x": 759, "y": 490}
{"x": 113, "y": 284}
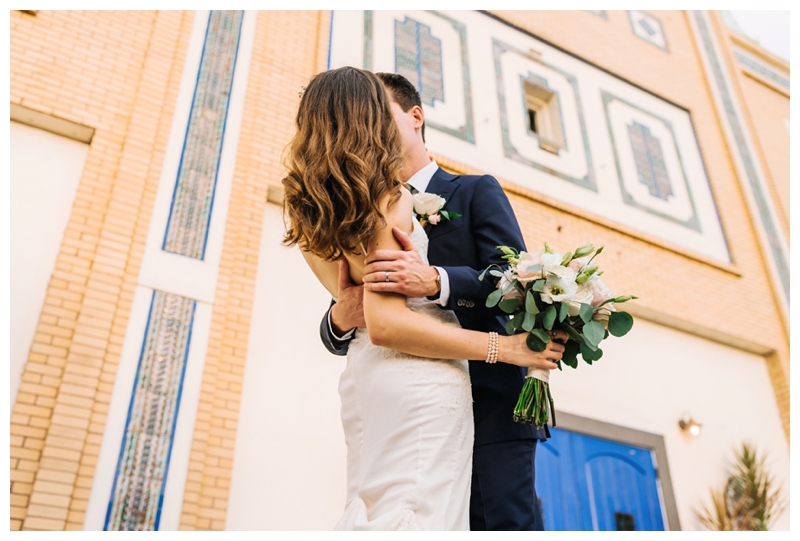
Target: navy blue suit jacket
{"x": 464, "y": 247}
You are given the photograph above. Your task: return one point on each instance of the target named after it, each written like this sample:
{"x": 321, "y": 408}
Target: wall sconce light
{"x": 689, "y": 425}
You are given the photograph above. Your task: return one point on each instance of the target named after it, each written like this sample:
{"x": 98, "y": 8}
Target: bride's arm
{"x": 327, "y": 272}
{"x": 392, "y": 325}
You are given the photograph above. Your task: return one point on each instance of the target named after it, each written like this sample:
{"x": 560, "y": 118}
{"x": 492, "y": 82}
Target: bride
{"x": 405, "y": 392}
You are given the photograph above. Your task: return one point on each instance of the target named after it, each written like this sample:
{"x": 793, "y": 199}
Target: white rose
{"x": 556, "y": 289}
{"x": 565, "y": 273}
{"x": 600, "y": 291}
{"x": 582, "y": 295}
{"x": 427, "y": 204}
{"x": 551, "y": 260}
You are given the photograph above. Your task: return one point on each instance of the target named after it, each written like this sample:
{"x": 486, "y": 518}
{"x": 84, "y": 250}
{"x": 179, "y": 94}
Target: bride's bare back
{"x": 327, "y": 272}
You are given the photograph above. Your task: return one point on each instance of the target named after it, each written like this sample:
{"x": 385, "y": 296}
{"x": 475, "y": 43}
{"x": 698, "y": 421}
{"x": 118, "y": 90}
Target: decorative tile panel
{"x": 648, "y": 28}
{"x": 430, "y": 50}
{"x": 649, "y": 161}
{"x": 647, "y": 153}
{"x": 418, "y": 58}
{"x": 571, "y": 155}
{"x": 146, "y": 446}
{"x": 193, "y": 197}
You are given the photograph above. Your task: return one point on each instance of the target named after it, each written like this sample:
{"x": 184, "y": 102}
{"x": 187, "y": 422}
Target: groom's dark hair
{"x": 402, "y": 92}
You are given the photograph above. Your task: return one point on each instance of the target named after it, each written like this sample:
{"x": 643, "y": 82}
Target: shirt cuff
{"x": 346, "y": 336}
{"x": 444, "y": 293}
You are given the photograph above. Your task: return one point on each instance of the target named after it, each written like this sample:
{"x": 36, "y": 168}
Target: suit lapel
{"x": 444, "y": 185}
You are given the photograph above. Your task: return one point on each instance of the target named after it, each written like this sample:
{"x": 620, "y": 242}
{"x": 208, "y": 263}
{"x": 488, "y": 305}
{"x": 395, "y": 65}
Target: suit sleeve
{"x": 493, "y": 224}
{"x": 331, "y": 343}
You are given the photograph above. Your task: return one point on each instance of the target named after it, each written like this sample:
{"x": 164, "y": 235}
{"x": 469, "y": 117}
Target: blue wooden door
{"x": 588, "y": 483}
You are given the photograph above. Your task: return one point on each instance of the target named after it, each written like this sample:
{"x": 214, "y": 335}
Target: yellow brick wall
{"x": 117, "y": 72}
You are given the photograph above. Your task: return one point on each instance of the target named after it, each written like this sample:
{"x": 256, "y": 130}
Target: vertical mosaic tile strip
{"x": 418, "y": 58}
{"x": 756, "y": 66}
{"x": 146, "y": 446}
{"x": 779, "y": 256}
{"x": 193, "y": 197}
{"x": 649, "y": 161}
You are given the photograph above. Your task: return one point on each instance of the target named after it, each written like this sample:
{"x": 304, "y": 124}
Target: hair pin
{"x": 300, "y": 93}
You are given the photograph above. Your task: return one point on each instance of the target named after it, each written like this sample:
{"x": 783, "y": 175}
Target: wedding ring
{"x": 387, "y": 276}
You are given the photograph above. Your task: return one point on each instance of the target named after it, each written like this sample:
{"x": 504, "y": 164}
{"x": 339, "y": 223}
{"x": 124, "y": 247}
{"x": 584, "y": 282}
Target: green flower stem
{"x": 535, "y": 403}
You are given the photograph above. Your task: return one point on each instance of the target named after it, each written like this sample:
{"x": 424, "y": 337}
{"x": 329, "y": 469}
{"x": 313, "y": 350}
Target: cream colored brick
{"x": 40, "y": 523}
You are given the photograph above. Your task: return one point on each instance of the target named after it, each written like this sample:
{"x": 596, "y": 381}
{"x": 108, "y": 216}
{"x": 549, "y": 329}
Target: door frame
{"x": 637, "y": 438}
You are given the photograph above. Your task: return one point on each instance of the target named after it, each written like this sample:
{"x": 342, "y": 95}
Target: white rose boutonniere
{"x": 430, "y": 208}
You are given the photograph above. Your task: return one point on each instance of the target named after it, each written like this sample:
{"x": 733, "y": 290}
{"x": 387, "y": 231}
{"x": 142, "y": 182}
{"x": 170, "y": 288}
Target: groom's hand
{"x": 348, "y": 312}
{"x": 407, "y": 274}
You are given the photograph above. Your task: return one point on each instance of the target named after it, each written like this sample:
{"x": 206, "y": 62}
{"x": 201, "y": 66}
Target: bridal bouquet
{"x": 549, "y": 291}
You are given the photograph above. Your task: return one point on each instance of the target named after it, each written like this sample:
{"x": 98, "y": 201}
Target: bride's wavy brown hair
{"x": 344, "y": 159}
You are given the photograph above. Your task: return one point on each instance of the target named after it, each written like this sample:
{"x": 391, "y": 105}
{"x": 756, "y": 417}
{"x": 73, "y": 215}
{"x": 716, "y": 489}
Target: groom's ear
{"x": 419, "y": 119}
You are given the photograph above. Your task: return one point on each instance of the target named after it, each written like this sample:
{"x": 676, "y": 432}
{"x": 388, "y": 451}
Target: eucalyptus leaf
{"x": 538, "y": 285}
{"x": 570, "y": 356}
{"x": 549, "y": 317}
{"x": 563, "y": 311}
{"x": 528, "y": 322}
{"x": 534, "y": 268}
{"x": 593, "y": 332}
{"x": 495, "y": 272}
{"x": 589, "y": 355}
{"x": 481, "y": 275}
{"x": 542, "y": 335}
{"x": 510, "y": 327}
{"x": 493, "y": 298}
{"x": 534, "y": 343}
{"x": 530, "y": 304}
{"x": 509, "y": 305}
{"x": 619, "y": 323}
{"x": 518, "y": 320}
{"x": 586, "y": 312}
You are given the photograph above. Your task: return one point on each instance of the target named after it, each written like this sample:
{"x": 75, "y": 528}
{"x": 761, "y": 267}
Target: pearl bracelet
{"x": 494, "y": 348}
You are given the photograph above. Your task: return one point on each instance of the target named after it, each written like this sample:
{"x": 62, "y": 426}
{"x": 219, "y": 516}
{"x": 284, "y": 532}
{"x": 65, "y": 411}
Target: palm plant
{"x": 749, "y": 500}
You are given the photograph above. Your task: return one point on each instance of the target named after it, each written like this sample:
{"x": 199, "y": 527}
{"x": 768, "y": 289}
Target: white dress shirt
{"x": 419, "y": 181}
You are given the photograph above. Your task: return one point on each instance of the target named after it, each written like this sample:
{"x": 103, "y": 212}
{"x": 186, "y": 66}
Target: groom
{"x": 503, "y": 494}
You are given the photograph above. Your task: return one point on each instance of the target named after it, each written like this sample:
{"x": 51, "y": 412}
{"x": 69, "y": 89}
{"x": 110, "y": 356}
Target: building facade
{"x": 165, "y": 367}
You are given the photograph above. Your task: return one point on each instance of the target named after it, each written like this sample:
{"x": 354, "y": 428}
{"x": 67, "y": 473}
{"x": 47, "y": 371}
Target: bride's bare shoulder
{"x": 399, "y": 212}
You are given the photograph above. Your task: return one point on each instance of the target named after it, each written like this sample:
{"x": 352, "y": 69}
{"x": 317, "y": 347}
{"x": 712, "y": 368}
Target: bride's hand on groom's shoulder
{"x": 400, "y": 271}
{"x": 514, "y": 350}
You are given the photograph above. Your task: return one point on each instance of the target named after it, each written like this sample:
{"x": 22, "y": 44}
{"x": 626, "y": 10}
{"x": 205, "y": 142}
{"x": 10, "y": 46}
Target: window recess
{"x": 543, "y": 115}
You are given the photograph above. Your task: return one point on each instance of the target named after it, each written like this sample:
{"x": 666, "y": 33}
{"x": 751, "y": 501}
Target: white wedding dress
{"x": 409, "y": 432}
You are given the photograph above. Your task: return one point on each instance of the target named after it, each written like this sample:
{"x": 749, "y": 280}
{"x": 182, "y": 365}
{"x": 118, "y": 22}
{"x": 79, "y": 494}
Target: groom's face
{"x": 409, "y": 124}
